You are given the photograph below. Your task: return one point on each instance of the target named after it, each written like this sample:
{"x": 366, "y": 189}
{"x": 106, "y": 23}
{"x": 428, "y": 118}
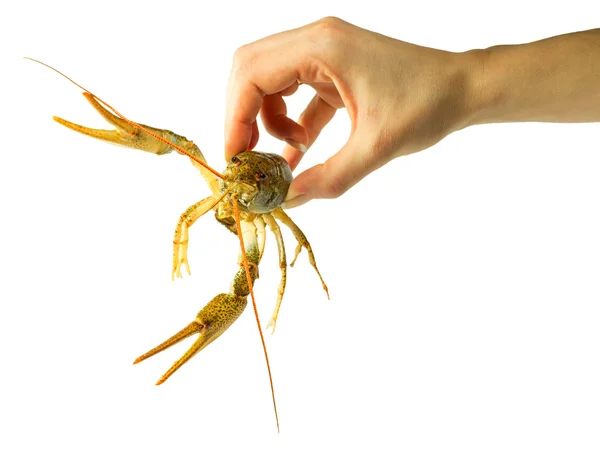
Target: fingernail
{"x": 296, "y": 145}
{"x": 296, "y": 201}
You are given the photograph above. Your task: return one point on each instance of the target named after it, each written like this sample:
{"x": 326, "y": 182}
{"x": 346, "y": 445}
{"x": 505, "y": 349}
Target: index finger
{"x": 265, "y": 67}
{"x": 240, "y": 118}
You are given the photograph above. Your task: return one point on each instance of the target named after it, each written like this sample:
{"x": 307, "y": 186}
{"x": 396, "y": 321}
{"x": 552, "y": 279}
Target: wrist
{"x": 473, "y": 98}
{"x": 551, "y": 80}
{"x": 484, "y": 90}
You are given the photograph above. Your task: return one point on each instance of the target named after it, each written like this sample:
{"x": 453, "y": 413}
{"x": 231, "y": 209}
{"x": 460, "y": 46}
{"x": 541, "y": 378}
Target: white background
{"x": 464, "y": 320}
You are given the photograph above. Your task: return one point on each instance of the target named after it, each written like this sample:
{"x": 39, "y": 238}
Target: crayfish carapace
{"x": 246, "y": 198}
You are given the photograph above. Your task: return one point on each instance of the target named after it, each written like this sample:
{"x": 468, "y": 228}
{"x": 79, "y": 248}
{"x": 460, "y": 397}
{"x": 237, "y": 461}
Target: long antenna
{"x": 236, "y": 214}
{"x": 134, "y": 124}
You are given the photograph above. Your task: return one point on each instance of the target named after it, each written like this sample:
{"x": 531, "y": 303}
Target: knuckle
{"x": 329, "y": 22}
{"x": 329, "y": 27}
{"x": 242, "y": 56}
{"x": 330, "y": 32}
{"x": 335, "y": 187}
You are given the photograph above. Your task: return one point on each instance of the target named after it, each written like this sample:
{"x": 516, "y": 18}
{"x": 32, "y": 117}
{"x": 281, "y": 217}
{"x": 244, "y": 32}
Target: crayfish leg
{"x": 261, "y": 235}
{"x": 302, "y": 242}
{"x": 282, "y": 265}
{"x": 181, "y": 239}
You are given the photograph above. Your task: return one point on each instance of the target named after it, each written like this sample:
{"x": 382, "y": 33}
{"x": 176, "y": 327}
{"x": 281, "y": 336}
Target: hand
{"x": 401, "y": 98}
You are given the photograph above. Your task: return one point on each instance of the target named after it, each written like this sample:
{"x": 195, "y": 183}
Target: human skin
{"x": 401, "y": 98}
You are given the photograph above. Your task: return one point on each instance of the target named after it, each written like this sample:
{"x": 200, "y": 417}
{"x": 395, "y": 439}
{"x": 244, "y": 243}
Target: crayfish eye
{"x": 236, "y": 161}
{"x": 260, "y": 176}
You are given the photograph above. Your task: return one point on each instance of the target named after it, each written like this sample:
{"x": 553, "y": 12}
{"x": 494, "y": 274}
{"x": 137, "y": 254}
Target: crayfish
{"x": 245, "y": 198}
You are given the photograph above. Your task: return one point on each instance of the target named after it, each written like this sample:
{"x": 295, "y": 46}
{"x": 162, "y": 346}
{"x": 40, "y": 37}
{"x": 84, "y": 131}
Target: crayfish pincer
{"x": 245, "y": 198}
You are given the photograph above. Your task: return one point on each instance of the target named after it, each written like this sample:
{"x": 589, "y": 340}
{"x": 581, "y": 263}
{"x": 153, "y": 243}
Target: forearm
{"x": 551, "y": 80}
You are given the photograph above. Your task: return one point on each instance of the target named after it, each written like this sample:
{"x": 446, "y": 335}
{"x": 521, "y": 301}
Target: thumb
{"x": 332, "y": 178}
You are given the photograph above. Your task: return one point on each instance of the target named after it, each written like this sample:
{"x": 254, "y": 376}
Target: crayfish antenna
{"x": 238, "y": 226}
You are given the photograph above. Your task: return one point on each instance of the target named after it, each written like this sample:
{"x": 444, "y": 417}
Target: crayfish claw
{"x": 184, "y": 333}
{"x": 191, "y": 329}
{"x": 112, "y": 119}
{"x": 126, "y": 133}
{"x": 197, "y": 346}
{"x": 111, "y": 136}
{"x": 210, "y": 323}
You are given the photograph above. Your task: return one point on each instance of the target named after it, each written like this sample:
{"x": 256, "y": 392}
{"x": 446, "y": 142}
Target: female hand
{"x": 401, "y": 98}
